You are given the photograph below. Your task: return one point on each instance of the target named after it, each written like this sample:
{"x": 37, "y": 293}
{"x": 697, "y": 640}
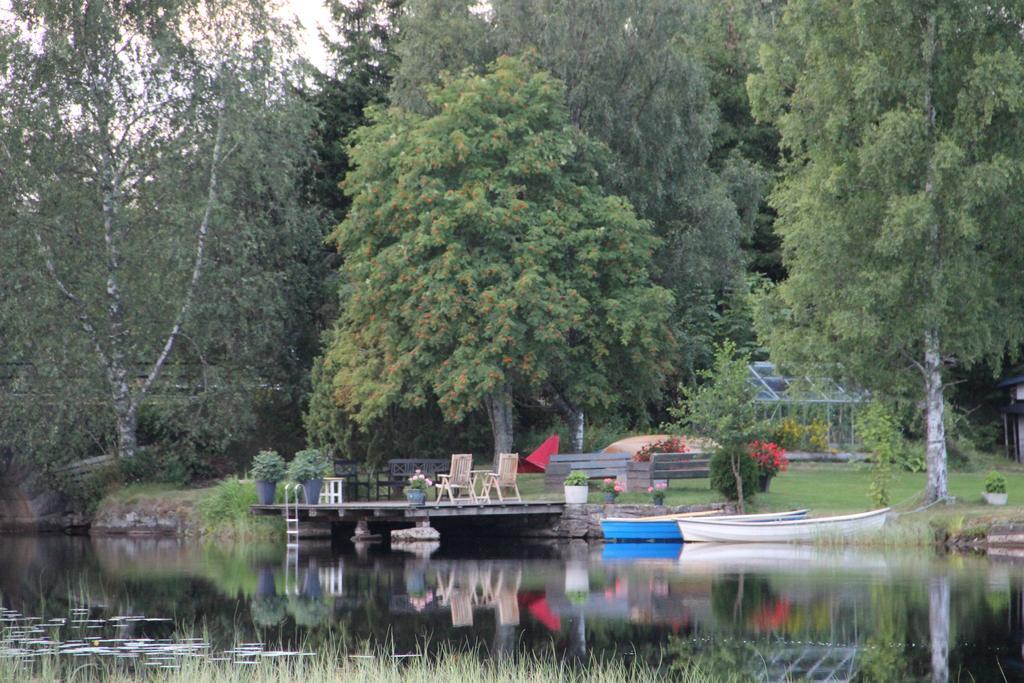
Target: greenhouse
{"x": 806, "y": 400}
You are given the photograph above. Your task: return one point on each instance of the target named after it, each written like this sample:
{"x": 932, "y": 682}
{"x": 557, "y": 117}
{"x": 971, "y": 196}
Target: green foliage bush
{"x": 995, "y": 483}
{"x": 723, "y": 410}
{"x": 577, "y": 479}
{"x": 226, "y": 503}
{"x": 177, "y": 466}
{"x": 881, "y": 436}
{"x": 268, "y": 466}
{"x": 723, "y": 478}
{"x": 308, "y": 464}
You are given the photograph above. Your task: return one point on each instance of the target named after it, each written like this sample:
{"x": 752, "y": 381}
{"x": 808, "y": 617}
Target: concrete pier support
{"x": 363, "y": 533}
{"x": 421, "y": 533}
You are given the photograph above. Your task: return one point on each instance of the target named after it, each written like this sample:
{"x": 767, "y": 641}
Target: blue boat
{"x": 665, "y": 527}
{"x": 618, "y": 552}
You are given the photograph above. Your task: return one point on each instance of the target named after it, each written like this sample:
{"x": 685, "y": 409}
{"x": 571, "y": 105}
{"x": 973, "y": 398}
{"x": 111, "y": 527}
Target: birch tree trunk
{"x": 937, "y": 487}
{"x": 935, "y": 456}
{"x": 572, "y": 415}
{"x": 499, "y": 412}
{"x": 938, "y": 627}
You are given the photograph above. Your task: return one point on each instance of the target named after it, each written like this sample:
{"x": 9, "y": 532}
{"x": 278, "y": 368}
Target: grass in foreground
{"x": 329, "y": 665}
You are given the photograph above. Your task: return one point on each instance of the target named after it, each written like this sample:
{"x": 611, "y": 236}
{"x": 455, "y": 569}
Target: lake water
{"x": 765, "y": 612}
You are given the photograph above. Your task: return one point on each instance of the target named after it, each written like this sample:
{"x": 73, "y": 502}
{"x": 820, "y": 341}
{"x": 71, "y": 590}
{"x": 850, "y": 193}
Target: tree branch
{"x": 197, "y": 267}
{"x": 84, "y": 319}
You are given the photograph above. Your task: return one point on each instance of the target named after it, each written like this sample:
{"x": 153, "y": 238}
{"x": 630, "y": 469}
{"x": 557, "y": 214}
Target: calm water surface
{"x": 766, "y": 612}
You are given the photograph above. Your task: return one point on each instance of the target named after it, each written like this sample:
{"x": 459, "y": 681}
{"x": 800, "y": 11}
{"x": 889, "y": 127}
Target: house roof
{"x": 1011, "y": 381}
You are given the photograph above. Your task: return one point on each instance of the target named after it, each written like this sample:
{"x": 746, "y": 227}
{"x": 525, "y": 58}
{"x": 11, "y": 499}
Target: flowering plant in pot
{"x": 309, "y": 467}
{"x": 770, "y": 458}
{"x": 657, "y": 491}
{"x": 416, "y": 489}
{"x": 995, "y": 488}
{"x": 674, "y": 444}
{"x": 611, "y": 489}
{"x": 268, "y": 468}
{"x": 576, "y": 488}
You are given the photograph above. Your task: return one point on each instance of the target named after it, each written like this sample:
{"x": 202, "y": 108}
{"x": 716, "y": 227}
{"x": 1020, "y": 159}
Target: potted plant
{"x": 657, "y": 491}
{"x": 611, "y": 489}
{"x": 576, "y": 488}
{"x": 416, "y": 489}
{"x": 995, "y": 488}
{"x": 268, "y": 468}
{"x": 770, "y": 459}
{"x": 308, "y": 467}
{"x": 673, "y": 444}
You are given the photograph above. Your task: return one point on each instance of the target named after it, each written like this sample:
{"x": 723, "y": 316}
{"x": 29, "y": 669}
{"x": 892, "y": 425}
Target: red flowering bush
{"x": 674, "y": 444}
{"x": 769, "y": 456}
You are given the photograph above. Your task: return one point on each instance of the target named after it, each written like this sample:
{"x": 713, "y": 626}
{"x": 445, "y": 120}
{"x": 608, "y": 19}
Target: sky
{"x": 312, "y": 14}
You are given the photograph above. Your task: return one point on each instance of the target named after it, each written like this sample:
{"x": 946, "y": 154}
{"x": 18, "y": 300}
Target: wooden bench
{"x": 637, "y": 475}
{"x": 680, "y": 466}
{"x": 392, "y": 481}
{"x": 595, "y": 465}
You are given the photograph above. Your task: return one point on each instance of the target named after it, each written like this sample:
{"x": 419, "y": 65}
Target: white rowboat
{"x": 663, "y": 527}
{"x": 712, "y": 530}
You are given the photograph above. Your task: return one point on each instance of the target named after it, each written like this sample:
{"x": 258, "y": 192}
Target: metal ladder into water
{"x": 291, "y": 515}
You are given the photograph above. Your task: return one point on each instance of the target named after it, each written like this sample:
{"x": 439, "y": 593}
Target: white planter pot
{"x": 995, "y": 498}
{"x": 576, "y": 495}
{"x": 577, "y": 577}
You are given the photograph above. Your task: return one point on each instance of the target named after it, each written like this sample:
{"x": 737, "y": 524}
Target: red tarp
{"x": 538, "y": 460}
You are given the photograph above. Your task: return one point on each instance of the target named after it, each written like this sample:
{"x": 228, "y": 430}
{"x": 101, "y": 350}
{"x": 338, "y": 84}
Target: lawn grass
{"x": 830, "y": 489}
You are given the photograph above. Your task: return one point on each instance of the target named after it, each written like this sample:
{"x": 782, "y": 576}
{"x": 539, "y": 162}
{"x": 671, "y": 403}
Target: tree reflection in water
{"x": 778, "y": 615}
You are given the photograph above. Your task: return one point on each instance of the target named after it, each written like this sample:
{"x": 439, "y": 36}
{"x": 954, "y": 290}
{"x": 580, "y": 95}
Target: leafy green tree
{"x": 363, "y": 61}
{"x": 745, "y": 152}
{"x": 482, "y": 259}
{"x": 723, "y": 410}
{"x": 154, "y": 245}
{"x": 634, "y": 81}
{"x": 899, "y": 210}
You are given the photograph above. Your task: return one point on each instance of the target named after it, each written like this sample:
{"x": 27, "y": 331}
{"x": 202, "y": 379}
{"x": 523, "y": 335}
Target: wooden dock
{"x": 402, "y": 511}
{"x": 372, "y": 517}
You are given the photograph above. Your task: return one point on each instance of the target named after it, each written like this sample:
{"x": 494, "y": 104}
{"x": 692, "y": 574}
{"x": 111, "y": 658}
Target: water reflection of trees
{"x": 882, "y": 623}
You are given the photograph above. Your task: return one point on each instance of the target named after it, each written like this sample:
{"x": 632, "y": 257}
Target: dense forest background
{"x": 187, "y": 279}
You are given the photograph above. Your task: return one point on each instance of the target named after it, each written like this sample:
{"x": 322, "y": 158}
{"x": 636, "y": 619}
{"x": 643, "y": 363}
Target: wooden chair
{"x": 504, "y": 478}
{"x": 506, "y": 599}
{"x": 459, "y": 480}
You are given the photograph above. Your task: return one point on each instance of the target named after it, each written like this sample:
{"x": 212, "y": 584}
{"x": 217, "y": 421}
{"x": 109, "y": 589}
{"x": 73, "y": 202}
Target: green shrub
{"x": 577, "y": 479}
{"x": 723, "y": 478}
{"x": 995, "y": 483}
{"x": 224, "y": 511}
{"x": 268, "y": 466}
{"x": 881, "y": 436}
{"x": 308, "y": 464}
{"x": 226, "y": 501}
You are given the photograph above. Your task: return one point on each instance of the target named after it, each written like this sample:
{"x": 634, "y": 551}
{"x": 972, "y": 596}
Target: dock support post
{"x": 363, "y": 533}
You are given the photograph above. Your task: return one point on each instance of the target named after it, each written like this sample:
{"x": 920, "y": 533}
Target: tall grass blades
{"x": 224, "y": 511}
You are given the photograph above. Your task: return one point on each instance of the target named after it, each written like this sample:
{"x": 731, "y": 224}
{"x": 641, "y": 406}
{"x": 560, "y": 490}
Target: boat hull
{"x": 793, "y": 531}
{"x": 666, "y": 527}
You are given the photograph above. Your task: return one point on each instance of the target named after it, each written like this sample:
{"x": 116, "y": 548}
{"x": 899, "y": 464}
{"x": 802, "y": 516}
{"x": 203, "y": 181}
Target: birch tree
{"x": 899, "y": 211}
{"x": 133, "y": 140}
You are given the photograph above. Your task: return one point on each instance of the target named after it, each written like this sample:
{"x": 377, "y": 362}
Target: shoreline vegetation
{"x": 221, "y": 511}
{"x": 329, "y": 663}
